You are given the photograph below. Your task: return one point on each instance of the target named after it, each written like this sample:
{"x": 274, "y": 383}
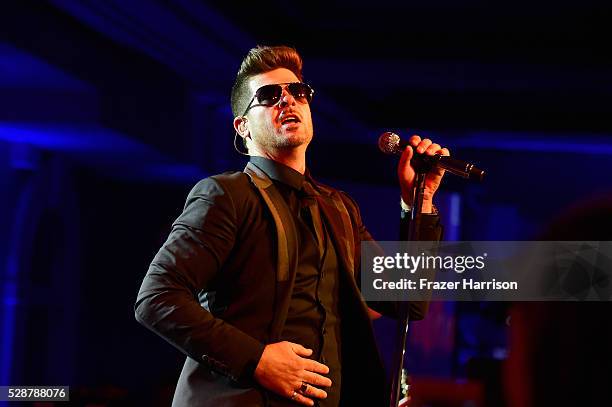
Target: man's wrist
{"x": 428, "y": 208}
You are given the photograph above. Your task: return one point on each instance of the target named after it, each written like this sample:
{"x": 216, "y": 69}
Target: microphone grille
{"x": 389, "y": 143}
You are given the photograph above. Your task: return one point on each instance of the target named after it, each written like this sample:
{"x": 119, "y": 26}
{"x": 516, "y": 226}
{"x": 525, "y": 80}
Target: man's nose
{"x": 286, "y": 98}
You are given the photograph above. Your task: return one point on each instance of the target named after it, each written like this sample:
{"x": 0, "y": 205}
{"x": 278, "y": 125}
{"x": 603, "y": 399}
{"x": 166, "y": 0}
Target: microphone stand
{"x": 418, "y": 191}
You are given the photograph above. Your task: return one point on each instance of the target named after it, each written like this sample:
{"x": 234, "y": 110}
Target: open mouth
{"x": 290, "y": 119}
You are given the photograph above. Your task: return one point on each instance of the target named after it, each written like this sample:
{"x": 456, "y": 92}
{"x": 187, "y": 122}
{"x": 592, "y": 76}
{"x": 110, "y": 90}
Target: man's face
{"x": 272, "y": 128}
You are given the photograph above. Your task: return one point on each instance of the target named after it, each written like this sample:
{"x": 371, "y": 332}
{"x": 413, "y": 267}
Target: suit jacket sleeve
{"x": 187, "y": 263}
{"x": 431, "y": 230}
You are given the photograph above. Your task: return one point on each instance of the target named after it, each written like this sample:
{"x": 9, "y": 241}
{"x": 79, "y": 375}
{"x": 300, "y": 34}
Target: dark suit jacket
{"x": 220, "y": 286}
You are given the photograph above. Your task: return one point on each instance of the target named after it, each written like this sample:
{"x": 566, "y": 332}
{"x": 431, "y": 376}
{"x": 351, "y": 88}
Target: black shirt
{"x": 313, "y": 319}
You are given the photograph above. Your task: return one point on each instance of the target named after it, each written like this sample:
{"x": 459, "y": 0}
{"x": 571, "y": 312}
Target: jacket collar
{"x": 332, "y": 208}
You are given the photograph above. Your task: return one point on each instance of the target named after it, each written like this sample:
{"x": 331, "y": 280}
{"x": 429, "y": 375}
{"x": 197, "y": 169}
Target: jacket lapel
{"x": 285, "y": 229}
{"x": 331, "y": 207}
{"x": 340, "y": 227}
{"x": 286, "y": 240}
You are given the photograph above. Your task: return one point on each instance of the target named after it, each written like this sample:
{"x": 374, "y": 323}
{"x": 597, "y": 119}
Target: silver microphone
{"x": 391, "y": 143}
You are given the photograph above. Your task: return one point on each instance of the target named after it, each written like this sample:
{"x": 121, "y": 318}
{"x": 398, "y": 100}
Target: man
{"x": 257, "y": 282}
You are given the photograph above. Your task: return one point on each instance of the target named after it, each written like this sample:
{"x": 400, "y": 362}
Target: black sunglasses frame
{"x": 295, "y": 89}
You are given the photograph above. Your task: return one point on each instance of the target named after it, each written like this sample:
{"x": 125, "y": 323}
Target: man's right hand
{"x": 284, "y": 366}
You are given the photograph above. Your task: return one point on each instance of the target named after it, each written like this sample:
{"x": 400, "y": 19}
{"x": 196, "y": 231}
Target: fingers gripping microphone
{"x": 391, "y": 143}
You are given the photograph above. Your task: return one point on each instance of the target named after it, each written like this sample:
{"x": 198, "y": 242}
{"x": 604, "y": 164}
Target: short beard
{"x": 270, "y": 140}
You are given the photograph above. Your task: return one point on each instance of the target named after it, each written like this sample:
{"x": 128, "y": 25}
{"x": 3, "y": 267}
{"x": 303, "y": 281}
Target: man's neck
{"x": 294, "y": 158}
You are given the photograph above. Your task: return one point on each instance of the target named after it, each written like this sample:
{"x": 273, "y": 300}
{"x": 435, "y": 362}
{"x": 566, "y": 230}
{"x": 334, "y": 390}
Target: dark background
{"x": 110, "y": 111}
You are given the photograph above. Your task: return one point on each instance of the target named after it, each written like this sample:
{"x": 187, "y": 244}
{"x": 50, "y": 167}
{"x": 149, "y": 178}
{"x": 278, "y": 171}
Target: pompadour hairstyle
{"x": 259, "y": 60}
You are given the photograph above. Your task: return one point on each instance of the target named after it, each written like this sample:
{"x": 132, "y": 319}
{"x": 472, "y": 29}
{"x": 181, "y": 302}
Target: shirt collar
{"x": 279, "y": 172}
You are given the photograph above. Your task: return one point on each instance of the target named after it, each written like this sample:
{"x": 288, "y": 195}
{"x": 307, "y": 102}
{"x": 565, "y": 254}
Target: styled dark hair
{"x": 259, "y": 60}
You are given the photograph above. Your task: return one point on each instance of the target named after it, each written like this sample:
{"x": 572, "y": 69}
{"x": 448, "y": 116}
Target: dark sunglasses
{"x": 269, "y": 95}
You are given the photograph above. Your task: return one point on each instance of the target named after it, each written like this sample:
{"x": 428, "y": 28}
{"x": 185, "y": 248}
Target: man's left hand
{"x": 407, "y": 175}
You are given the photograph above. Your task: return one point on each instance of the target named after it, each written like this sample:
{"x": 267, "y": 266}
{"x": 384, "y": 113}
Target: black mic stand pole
{"x": 403, "y": 306}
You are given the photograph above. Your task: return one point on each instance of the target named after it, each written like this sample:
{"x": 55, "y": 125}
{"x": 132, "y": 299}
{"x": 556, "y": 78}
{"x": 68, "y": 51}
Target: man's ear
{"x": 241, "y": 126}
